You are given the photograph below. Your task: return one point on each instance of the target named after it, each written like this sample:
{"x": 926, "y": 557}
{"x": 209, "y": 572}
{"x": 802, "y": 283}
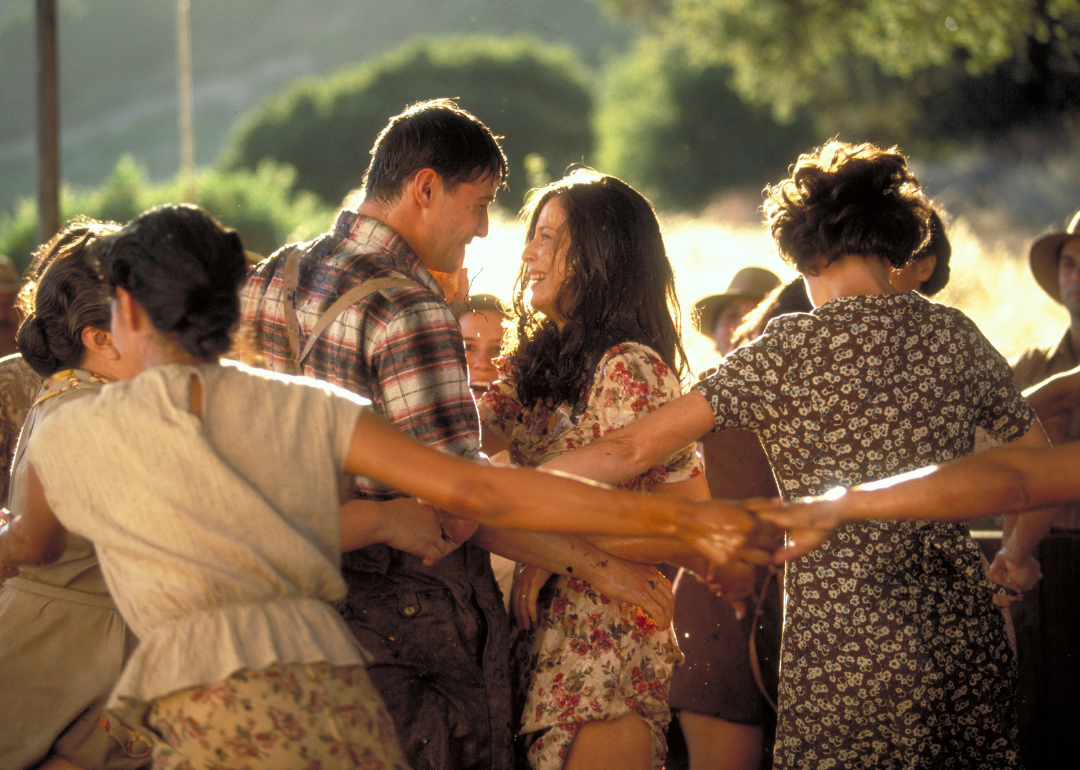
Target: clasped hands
{"x": 728, "y": 538}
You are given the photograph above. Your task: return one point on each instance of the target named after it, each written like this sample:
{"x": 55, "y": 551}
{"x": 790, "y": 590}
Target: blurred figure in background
{"x": 723, "y": 691}
{"x": 482, "y": 329}
{"x": 719, "y": 315}
{"x": 1047, "y": 622}
{"x": 928, "y": 271}
{"x": 9, "y": 315}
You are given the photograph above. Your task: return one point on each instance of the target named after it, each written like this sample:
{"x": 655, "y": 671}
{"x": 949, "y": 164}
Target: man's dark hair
{"x": 436, "y": 134}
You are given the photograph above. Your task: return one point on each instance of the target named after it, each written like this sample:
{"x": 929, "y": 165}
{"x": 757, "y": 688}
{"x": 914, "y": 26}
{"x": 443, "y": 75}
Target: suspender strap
{"x": 291, "y": 279}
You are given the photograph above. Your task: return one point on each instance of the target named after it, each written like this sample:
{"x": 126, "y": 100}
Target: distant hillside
{"x": 118, "y": 68}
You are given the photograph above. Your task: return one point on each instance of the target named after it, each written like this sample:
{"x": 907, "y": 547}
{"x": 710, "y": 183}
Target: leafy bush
{"x": 259, "y": 204}
{"x": 680, "y": 134}
{"x": 534, "y": 95}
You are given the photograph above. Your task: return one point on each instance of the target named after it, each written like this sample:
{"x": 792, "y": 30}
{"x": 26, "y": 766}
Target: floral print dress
{"x": 893, "y": 653}
{"x": 588, "y": 657}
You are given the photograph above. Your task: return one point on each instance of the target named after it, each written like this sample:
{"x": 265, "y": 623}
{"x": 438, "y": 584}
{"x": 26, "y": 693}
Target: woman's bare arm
{"x": 34, "y": 536}
{"x": 1025, "y": 475}
{"x": 526, "y": 499}
{"x": 631, "y": 451}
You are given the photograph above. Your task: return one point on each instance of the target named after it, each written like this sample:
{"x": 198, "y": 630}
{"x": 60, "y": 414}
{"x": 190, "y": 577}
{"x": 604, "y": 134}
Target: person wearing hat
{"x": 1047, "y": 621}
{"x": 719, "y": 315}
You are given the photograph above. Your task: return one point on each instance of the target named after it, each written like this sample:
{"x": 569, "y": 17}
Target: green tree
{"x": 679, "y": 133}
{"x": 534, "y": 95}
{"x": 907, "y": 57}
{"x": 259, "y": 204}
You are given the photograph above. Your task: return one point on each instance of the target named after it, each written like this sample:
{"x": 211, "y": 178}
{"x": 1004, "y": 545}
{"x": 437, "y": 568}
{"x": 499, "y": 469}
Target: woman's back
{"x": 864, "y": 388}
{"x": 222, "y": 527}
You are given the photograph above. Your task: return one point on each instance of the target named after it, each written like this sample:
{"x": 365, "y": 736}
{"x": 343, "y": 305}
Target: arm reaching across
{"x": 1022, "y": 476}
{"x": 402, "y": 523}
{"x": 619, "y": 579}
{"x": 541, "y": 501}
{"x": 631, "y": 451}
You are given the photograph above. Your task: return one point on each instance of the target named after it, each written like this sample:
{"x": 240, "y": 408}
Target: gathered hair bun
{"x": 184, "y": 269}
{"x": 63, "y": 295}
{"x": 33, "y": 344}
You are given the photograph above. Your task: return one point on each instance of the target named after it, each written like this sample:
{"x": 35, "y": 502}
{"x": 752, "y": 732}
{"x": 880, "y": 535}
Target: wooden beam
{"x": 48, "y": 123}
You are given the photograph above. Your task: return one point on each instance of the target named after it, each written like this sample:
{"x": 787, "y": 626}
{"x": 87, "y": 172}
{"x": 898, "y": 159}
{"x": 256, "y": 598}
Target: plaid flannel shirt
{"x": 439, "y": 634}
{"x": 400, "y": 347}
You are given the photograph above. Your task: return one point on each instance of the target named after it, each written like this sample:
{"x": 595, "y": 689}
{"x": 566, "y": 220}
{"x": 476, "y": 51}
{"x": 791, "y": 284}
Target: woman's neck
{"x": 851, "y": 275}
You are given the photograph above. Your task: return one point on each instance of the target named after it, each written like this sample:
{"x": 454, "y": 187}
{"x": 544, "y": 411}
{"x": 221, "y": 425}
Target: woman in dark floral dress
{"x": 894, "y": 653}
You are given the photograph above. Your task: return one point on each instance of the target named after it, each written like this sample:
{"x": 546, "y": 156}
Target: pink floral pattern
{"x": 303, "y": 716}
{"x": 588, "y": 657}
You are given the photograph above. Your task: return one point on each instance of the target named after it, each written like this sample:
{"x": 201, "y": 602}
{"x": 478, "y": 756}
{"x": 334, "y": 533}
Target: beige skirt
{"x": 62, "y": 652}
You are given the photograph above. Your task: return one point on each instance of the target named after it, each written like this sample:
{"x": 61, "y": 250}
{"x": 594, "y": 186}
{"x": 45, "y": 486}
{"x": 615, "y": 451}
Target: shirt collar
{"x": 363, "y": 229}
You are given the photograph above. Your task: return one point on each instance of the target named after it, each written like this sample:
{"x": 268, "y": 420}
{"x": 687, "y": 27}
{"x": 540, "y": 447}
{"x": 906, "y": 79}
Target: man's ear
{"x": 99, "y": 341}
{"x": 423, "y": 186}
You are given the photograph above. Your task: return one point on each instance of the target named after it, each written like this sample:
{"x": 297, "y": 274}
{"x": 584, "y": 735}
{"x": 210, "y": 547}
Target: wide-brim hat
{"x": 1043, "y": 258}
{"x": 751, "y": 283}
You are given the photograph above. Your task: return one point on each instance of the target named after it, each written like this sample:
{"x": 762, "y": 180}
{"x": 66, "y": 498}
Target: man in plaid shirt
{"x": 439, "y": 634}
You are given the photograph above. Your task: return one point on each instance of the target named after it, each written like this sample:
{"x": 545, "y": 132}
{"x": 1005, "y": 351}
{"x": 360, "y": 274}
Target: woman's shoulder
{"x": 631, "y": 353}
{"x": 632, "y": 361}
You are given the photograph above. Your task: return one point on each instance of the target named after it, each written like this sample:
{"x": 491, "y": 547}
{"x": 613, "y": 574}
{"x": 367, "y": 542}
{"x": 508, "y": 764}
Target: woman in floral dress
{"x": 595, "y": 348}
{"x": 893, "y": 652}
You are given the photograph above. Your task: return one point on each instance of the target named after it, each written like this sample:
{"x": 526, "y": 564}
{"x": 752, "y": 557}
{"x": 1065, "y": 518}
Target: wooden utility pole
{"x": 184, "y": 99}
{"x": 48, "y": 128}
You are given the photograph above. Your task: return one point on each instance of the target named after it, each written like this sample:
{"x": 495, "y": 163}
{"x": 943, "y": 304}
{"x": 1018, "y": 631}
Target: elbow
{"x": 1016, "y": 492}
{"x": 476, "y": 497}
{"x": 625, "y": 454}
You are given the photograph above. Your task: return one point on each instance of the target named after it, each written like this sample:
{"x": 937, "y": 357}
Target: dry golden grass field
{"x": 990, "y": 282}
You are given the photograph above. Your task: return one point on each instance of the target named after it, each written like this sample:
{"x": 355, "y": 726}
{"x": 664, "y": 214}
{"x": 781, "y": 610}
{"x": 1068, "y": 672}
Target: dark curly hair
{"x": 184, "y": 269}
{"x": 63, "y": 294}
{"x": 938, "y": 246}
{"x": 847, "y": 199}
{"x": 619, "y": 287}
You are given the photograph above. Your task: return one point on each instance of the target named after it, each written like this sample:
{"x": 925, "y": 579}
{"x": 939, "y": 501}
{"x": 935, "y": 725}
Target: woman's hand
{"x": 808, "y": 523}
{"x": 402, "y": 523}
{"x": 527, "y": 584}
{"x": 641, "y": 585}
{"x": 1019, "y": 576}
{"x": 722, "y": 531}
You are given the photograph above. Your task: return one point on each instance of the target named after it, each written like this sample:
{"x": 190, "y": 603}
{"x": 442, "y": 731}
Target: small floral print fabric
{"x": 288, "y": 716}
{"x": 587, "y": 657}
{"x": 893, "y": 652}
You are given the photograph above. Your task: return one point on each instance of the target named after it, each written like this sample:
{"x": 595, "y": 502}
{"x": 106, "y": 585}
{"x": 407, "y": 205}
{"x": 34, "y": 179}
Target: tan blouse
{"x": 219, "y": 536}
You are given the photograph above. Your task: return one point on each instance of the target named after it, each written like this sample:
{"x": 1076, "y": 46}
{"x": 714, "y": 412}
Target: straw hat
{"x": 751, "y": 283}
{"x": 1043, "y": 258}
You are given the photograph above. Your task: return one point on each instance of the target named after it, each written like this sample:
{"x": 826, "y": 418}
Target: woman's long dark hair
{"x": 63, "y": 295}
{"x": 184, "y": 269}
{"x": 619, "y": 287}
